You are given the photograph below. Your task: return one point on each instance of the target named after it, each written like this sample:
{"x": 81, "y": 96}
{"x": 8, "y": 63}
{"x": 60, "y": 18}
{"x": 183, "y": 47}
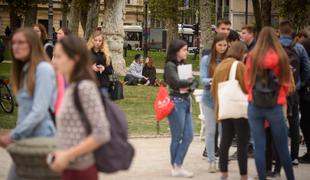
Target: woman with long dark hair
{"x": 207, "y": 68}
{"x": 42, "y": 33}
{"x": 34, "y": 85}
{"x": 268, "y": 68}
{"x": 74, "y": 157}
{"x": 180, "y": 119}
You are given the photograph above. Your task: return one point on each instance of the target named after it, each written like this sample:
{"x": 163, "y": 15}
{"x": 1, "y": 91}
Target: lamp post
{"x": 50, "y": 21}
{"x": 145, "y": 28}
{"x": 246, "y": 11}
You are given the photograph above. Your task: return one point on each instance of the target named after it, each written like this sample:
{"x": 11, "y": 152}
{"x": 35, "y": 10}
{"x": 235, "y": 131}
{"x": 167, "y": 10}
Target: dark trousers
{"x": 132, "y": 80}
{"x": 271, "y": 153}
{"x": 293, "y": 119}
{"x": 230, "y": 128}
{"x": 90, "y": 173}
{"x": 305, "y": 122}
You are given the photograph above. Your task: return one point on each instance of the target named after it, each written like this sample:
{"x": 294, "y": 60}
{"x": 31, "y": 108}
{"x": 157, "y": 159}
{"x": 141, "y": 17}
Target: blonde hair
{"x": 104, "y": 46}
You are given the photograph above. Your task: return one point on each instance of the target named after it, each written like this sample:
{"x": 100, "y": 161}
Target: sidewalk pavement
{"x": 152, "y": 163}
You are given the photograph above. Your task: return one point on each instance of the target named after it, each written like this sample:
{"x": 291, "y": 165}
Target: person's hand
{"x": 61, "y": 161}
{"x": 146, "y": 78}
{"x": 94, "y": 67}
{"x": 5, "y": 140}
{"x": 101, "y": 68}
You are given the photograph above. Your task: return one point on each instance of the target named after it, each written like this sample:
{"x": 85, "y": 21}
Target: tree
{"x": 205, "y": 9}
{"x": 294, "y": 11}
{"x": 169, "y": 11}
{"x": 74, "y": 16}
{"x": 114, "y": 15}
{"x": 266, "y": 12}
{"x": 92, "y": 18}
{"x": 257, "y": 14}
{"x": 64, "y": 9}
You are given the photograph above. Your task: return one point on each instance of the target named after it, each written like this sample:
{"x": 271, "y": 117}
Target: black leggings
{"x": 230, "y": 128}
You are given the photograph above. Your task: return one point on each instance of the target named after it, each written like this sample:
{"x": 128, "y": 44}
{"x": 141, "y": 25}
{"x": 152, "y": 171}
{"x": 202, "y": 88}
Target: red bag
{"x": 163, "y": 104}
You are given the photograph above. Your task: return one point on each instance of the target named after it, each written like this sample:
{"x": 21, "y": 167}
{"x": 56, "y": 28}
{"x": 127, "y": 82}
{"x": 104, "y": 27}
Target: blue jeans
{"x": 276, "y": 119}
{"x": 181, "y": 127}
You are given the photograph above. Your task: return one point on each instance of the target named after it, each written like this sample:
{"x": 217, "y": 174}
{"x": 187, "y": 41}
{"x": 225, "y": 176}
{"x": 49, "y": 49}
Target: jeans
{"x": 293, "y": 119}
{"x": 210, "y": 125}
{"x": 276, "y": 119}
{"x": 230, "y": 127}
{"x": 181, "y": 127}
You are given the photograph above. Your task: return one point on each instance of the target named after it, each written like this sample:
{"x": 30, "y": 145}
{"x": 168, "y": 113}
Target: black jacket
{"x": 103, "y": 78}
{"x": 149, "y": 72}
{"x": 172, "y": 79}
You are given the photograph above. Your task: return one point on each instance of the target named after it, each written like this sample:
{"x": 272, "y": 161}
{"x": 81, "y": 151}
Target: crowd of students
{"x": 272, "y": 70}
{"x": 44, "y": 76}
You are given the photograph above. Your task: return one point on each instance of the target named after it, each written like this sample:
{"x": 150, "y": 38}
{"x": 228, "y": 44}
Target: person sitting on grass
{"x": 134, "y": 75}
{"x": 149, "y": 71}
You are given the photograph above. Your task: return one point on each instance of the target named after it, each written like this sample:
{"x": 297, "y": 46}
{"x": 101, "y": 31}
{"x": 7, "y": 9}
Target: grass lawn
{"x": 159, "y": 59}
{"x": 138, "y": 105}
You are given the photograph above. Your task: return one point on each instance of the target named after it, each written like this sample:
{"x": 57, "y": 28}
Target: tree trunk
{"x": 14, "y": 19}
{"x": 64, "y": 9}
{"x": 74, "y": 16}
{"x": 83, "y": 16}
{"x": 205, "y": 9}
{"x": 266, "y": 12}
{"x": 257, "y": 14}
{"x": 172, "y": 28}
{"x": 92, "y": 19}
{"x": 114, "y": 16}
{"x": 31, "y": 15}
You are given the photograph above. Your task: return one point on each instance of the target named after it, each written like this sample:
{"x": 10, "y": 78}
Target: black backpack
{"x": 117, "y": 154}
{"x": 266, "y": 89}
{"x": 293, "y": 60}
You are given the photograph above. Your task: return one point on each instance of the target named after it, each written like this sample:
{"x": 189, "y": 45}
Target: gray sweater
{"x": 136, "y": 69}
{"x": 70, "y": 130}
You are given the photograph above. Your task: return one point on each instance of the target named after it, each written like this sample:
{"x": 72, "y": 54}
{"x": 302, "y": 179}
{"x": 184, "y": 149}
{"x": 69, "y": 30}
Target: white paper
{"x": 185, "y": 71}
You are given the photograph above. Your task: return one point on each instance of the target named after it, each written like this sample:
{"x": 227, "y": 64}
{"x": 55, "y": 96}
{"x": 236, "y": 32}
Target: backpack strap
{"x": 233, "y": 70}
{"x": 79, "y": 107}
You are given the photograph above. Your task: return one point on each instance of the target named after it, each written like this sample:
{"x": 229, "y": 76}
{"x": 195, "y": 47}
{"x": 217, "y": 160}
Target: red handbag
{"x": 163, "y": 104}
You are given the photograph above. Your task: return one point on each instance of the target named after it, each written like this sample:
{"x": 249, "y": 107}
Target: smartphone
{"x": 50, "y": 158}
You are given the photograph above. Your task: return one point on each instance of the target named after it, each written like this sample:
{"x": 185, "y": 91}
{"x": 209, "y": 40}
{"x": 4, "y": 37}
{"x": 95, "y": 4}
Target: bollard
{"x": 29, "y": 156}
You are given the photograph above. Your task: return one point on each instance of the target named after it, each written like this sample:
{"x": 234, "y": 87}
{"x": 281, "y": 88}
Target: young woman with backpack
{"x": 231, "y": 126}
{"x": 268, "y": 80}
{"x": 207, "y": 68}
{"x": 74, "y": 157}
{"x": 180, "y": 119}
{"x": 47, "y": 46}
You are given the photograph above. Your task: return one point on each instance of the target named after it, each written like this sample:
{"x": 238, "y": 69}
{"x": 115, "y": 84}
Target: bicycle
{"x": 6, "y": 97}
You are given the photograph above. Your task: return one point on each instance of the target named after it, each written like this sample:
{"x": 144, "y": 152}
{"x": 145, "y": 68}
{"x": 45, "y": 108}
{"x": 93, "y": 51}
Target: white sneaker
{"x": 181, "y": 173}
{"x": 212, "y": 167}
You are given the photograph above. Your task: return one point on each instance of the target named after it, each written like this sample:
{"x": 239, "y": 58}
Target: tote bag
{"x": 232, "y": 101}
{"x": 163, "y": 104}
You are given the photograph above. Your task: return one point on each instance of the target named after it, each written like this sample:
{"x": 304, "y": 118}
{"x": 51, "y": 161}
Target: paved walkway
{"x": 152, "y": 163}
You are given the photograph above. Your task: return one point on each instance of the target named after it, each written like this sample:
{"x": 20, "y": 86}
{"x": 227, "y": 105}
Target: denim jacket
{"x": 207, "y": 98}
{"x": 304, "y": 59}
{"x": 33, "y": 115}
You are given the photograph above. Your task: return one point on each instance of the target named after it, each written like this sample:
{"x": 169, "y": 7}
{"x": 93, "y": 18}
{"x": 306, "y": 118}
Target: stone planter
{"x": 29, "y": 155}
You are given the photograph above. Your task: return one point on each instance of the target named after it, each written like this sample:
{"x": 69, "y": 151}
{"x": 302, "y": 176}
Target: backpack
{"x": 266, "y": 89}
{"x": 293, "y": 60}
{"x": 118, "y": 153}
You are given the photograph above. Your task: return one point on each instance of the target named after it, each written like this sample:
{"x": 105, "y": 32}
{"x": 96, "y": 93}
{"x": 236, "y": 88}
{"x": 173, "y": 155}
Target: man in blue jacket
{"x": 303, "y": 75}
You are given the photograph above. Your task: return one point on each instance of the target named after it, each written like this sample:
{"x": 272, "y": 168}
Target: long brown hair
{"x": 267, "y": 40}
{"x": 104, "y": 46}
{"x": 44, "y": 36}
{"x": 212, "y": 64}
{"x": 75, "y": 48}
{"x": 237, "y": 51}
{"x": 37, "y": 55}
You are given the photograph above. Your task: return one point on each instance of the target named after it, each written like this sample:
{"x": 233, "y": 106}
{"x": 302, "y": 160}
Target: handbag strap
{"x": 233, "y": 70}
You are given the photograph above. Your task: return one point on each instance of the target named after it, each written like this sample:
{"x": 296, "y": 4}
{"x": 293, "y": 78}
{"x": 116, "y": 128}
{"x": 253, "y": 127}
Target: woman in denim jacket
{"x": 34, "y": 85}
{"x": 207, "y": 68}
{"x": 180, "y": 119}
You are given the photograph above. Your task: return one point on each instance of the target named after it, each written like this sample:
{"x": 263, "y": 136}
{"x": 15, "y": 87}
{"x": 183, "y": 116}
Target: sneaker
{"x": 305, "y": 159}
{"x": 273, "y": 176}
{"x": 223, "y": 178}
{"x": 295, "y": 162}
{"x": 181, "y": 173}
{"x": 212, "y": 167}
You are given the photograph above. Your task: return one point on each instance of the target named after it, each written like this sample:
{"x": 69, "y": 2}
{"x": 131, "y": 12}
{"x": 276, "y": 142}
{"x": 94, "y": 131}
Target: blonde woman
{"x": 101, "y": 57}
